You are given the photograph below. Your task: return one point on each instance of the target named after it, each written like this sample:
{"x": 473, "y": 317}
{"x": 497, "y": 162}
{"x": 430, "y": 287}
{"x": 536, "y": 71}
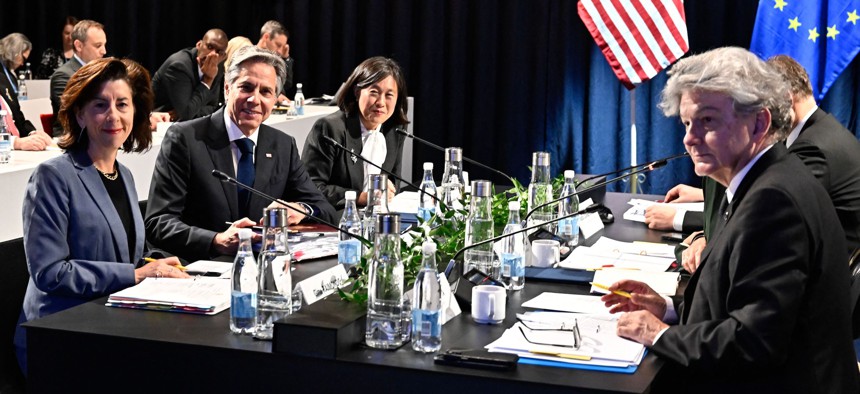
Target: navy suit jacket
{"x": 178, "y": 88}
{"x": 75, "y": 242}
{"x": 59, "y": 80}
{"x": 332, "y": 170}
{"x": 767, "y": 309}
{"x": 187, "y": 206}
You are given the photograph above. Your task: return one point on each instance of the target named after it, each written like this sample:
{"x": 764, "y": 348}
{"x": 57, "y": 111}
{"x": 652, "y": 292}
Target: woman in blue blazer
{"x": 83, "y": 230}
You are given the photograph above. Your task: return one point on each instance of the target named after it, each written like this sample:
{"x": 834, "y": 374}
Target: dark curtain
{"x": 499, "y": 78}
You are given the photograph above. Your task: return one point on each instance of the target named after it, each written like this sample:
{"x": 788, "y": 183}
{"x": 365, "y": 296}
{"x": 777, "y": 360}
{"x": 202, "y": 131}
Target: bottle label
{"x": 243, "y": 305}
{"x": 348, "y": 251}
{"x": 248, "y": 278}
{"x": 426, "y": 213}
{"x": 514, "y": 264}
{"x": 426, "y": 323}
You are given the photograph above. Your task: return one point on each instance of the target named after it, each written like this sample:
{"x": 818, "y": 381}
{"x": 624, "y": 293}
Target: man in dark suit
{"x": 90, "y": 43}
{"x": 767, "y": 309}
{"x": 274, "y": 37}
{"x": 189, "y": 83}
{"x": 187, "y": 206}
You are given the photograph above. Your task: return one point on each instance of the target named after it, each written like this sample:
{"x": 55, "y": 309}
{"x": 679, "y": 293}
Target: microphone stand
{"x": 650, "y": 167}
{"x": 227, "y": 178}
{"x": 653, "y": 163}
{"x": 340, "y": 146}
{"x": 441, "y": 149}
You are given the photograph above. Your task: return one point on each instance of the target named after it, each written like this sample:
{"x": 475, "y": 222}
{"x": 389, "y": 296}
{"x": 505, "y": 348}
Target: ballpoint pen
{"x": 178, "y": 266}
{"x": 605, "y": 287}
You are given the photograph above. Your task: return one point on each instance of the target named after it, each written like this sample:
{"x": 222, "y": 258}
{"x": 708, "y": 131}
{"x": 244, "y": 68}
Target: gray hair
{"x": 79, "y": 32}
{"x": 13, "y": 45}
{"x": 738, "y": 73}
{"x": 253, "y": 54}
{"x": 274, "y": 28}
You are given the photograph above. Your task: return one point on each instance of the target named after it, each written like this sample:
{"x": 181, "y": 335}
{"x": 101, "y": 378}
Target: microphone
{"x": 452, "y": 263}
{"x": 340, "y": 146}
{"x": 655, "y": 162}
{"x": 647, "y": 167}
{"x": 229, "y": 179}
{"x": 441, "y": 149}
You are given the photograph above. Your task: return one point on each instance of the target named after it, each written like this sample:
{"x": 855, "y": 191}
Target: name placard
{"x": 322, "y": 284}
{"x": 589, "y": 224}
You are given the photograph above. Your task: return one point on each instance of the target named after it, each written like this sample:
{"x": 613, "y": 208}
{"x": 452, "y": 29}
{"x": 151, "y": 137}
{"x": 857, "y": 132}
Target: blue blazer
{"x": 74, "y": 239}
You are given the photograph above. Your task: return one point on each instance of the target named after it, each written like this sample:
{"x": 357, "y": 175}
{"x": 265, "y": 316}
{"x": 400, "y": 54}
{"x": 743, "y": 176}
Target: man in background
{"x": 189, "y": 84}
{"x": 90, "y": 43}
{"x": 274, "y": 37}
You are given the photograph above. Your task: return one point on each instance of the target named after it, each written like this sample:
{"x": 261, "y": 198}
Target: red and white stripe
{"x": 638, "y": 37}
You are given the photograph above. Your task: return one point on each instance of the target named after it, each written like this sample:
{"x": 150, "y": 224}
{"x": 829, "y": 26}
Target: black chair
{"x": 854, "y": 266}
{"x": 14, "y": 277}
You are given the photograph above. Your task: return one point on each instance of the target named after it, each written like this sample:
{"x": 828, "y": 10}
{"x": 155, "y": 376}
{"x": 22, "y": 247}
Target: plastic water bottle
{"x": 513, "y": 250}
{"x": 349, "y": 248}
{"x": 275, "y": 287}
{"x": 427, "y": 200}
{"x": 540, "y": 191}
{"x": 385, "y": 286}
{"x": 28, "y": 73}
{"x": 22, "y": 88}
{"x": 569, "y": 228}
{"x": 243, "y": 300}
{"x": 5, "y": 140}
{"x": 377, "y": 203}
{"x": 452, "y": 179}
{"x": 427, "y": 304}
{"x": 479, "y": 227}
{"x": 299, "y": 100}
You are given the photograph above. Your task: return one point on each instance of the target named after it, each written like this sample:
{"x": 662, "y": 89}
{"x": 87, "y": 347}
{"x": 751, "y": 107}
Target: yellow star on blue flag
{"x": 823, "y": 57}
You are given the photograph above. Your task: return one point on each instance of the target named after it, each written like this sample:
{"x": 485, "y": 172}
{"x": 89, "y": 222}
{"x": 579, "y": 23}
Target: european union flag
{"x": 822, "y": 35}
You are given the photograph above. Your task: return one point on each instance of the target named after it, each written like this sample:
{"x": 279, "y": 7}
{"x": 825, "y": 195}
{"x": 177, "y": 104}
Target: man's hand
{"x": 640, "y": 326}
{"x": 228, "y": 241}
{"x": 391, "y": 190}
{"x": 684, "y": 193}
{"x": 691, "y": 257}
{"x": 37, "y": 140}
{"x": 642, "y": 297}
{"x": 660, "y": 217}
{"x": 294, "y": 216}
{"x": 209, "y": 66}
{"x": 157, "y": 117}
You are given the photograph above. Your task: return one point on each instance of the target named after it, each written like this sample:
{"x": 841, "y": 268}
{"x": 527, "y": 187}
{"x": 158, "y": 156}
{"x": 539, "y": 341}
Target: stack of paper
{"x": 636, "y": 212}
{"x": 548, "y": 336}
{"x": 404, "y": 202}
{"x": 314, "y": 247}
{"x": 200, "y": 295}
{"x": 609, "y": 253}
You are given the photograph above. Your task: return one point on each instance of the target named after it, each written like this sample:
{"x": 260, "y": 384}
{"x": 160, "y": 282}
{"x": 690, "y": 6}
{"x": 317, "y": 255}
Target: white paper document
{"x": 199, "y": 295}
{"x": 549, "y": 336}
{"x": 210, "y": 268}
{"x": 406, "y": 202}
{"x": 567, "y": 303}
{"x": 608, "y": 253}
{"x": 636, "y": 212}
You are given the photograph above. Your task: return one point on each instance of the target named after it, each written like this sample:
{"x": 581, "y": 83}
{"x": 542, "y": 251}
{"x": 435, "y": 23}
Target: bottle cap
{"x": 349, "y": 195}
{"x": 275, "y": 217}
{"x": 388, "y": 223}
{"x": 514, "y": 205}
{"x": 569, "y": 174}
{"x": 482, "y": 188}
{"x": 245, "y": 233}
{"x": 428, "y": 165}
{"x": 428, "y": 247}
{"x": 298, "y": 86}
{"x": 378, "y": 181}
{"x": 540, "y": 159}
{"x": 454, "y": 154}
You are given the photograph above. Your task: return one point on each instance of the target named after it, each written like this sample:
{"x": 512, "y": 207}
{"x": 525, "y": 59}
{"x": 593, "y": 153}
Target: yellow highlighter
{"x": 605, "y": 287}
{"x": 562, "y": 355}
{"x": 178, "y": 266}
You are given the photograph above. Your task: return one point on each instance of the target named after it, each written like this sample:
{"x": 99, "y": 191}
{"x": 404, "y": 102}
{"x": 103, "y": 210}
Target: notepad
{"x": 201, "y": 295}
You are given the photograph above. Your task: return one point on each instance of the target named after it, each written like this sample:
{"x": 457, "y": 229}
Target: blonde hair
{"x": 234, "y": 44}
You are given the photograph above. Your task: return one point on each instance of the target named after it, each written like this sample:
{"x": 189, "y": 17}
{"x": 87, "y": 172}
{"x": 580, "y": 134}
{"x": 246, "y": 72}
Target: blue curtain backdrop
{"x": 501, "y": 78}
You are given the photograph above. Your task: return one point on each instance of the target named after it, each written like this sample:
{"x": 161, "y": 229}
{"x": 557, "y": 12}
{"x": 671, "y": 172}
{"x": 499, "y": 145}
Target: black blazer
{"x": 832, "y": 153}
{"x": 178, "y": 88}
{"x": 333, "y": 171}
{"x": 187, "y": 206}
{"x": 6, "y": 89}
{"x": 59, "y": 79}
{"x": 767, "y": 310}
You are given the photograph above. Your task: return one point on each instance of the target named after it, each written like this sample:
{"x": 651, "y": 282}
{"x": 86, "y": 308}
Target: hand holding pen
{"x": 169, "y": 267}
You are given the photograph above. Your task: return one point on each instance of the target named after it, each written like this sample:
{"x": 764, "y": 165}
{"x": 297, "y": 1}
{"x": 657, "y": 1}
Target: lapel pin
{"x": 352, "y": 157}
{"x": 268, "y": 155}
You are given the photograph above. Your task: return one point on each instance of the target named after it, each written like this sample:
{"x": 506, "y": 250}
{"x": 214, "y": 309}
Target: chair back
{"x": 47, "y": 123}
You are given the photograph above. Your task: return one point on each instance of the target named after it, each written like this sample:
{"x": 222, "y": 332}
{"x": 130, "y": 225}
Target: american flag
{"x": 638, "y": 37}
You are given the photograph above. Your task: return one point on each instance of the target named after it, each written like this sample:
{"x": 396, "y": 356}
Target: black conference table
{"x": 97, "y": 348}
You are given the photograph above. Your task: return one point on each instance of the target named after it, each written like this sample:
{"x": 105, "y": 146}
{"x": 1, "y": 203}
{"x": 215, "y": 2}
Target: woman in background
{"x": 14, "y": 51}
{"x": 83, "y": 230}
{"x": 234, "y": 44}
{"x": 53, "y": 58}
{"x": 372, "y": 105}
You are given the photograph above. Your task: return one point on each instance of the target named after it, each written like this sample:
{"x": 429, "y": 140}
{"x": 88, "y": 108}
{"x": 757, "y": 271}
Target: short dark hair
{"x": 793, "y": 73}
{"x": 274, "y": 28}
{"x": 86, "y": 83}
{"x": 70, "y": 21}
{"x": 368, "y": 73}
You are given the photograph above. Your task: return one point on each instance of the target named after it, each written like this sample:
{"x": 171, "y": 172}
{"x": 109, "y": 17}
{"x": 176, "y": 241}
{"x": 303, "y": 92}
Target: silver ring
{"x": 157, "y": 274}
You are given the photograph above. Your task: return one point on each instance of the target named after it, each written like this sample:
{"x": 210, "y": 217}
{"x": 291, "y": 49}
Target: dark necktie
{"x": 245, "y": 172}
{"x": 721, "y": 218}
